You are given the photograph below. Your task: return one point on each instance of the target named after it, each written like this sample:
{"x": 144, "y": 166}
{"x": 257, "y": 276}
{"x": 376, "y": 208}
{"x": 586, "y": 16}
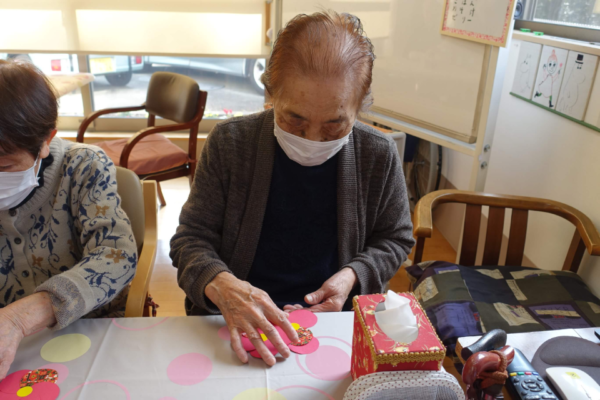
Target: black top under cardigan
{"x": 297, "y": 249}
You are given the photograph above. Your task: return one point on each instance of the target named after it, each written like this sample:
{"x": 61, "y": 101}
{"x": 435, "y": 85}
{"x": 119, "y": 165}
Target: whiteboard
{"x": 484, "y": 21}
{"x": 420, "y": 76}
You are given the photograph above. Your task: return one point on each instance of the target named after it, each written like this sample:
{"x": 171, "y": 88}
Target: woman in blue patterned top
{"x": 66, "y": 247}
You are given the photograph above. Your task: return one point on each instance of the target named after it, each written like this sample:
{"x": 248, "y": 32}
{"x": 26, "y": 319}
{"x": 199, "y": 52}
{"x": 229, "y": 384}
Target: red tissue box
{"x": 373, "y": 351}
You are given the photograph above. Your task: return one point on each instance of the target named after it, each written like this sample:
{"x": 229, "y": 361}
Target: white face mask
{"x": 16, "y": 186}
{"x": 308, "y": 152}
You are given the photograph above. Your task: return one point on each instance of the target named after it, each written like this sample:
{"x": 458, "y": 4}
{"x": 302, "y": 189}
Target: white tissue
{"x": 397, "y": 320}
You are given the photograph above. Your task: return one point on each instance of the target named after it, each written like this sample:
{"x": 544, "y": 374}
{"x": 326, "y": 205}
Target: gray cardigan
{"x": 221, "y": 221}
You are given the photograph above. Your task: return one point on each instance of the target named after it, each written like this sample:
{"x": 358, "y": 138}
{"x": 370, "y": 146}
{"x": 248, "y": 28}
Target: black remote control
{"x": 524, "y": 383}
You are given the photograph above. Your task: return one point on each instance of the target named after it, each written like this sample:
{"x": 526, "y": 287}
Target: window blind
{"x": 174, "y": 27}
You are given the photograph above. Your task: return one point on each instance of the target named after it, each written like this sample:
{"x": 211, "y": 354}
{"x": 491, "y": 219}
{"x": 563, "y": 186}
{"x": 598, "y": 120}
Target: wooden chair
{"x": 148, "y": 153}
{"x": 138, "y": 200}
{"x": 586, "y": 235}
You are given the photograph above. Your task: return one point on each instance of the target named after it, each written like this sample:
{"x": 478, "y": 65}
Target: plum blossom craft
{"x": 34, "y": 385}
{"x": 301, "y": 320}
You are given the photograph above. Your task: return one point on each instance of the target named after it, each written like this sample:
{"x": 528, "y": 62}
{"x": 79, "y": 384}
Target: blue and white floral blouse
{"x": 70, "y": 239}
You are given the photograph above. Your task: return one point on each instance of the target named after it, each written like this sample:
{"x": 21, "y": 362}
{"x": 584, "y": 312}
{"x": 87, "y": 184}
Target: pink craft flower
{"x": 10, "y": 388}
{"x": 301, "y": 320}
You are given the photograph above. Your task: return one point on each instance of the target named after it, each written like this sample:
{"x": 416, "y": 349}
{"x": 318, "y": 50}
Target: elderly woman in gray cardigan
{"x": 66, "y": 246}
{"x": 300, "y": 205}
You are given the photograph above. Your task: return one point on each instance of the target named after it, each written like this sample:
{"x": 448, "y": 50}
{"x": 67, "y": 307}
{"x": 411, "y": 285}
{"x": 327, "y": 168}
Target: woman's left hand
{"x": 22, "y": 318}
{"x": 10, "y": 337}
{"x": 334, "y": 292}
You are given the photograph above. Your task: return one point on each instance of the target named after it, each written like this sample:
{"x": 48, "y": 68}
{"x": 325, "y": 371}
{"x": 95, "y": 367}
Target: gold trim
{"x": 396, "y": 358}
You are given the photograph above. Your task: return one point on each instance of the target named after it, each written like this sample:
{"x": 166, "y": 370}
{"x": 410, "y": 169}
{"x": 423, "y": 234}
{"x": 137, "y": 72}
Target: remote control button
{"x": 529, "y": 381}
{"x": 516, "y": 380}
{"x": 527, "y": 373}
{"x": 535, "y": 373}
{"x": 540, "y": 379}
{"x": 523, "y": 394}
{"x": 547, "y": 396}
{"x": 524, "y": 386}
{"x": 513, "y": 374}
{"x": 520, "y": 373}
{"x": 532, "y": 397}
{"x": 535, "y": 390}
{"x": 549, "y": 391}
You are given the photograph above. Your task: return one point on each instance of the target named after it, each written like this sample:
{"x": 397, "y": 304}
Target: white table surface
{"x": 140, "y": 358}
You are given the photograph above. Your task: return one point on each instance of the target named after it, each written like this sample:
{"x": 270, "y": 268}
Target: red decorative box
{"x": 373, "y": 351}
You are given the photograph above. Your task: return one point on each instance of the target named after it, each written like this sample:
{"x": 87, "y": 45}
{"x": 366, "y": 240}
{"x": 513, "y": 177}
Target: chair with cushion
{"x": 466, "y": 299}
{"x": 138, "y": 200}
{"x": 148, "y": 153}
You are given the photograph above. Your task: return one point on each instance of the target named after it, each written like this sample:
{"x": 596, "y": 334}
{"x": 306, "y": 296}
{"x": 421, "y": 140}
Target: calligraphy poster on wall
{"x": 483, "y": 21}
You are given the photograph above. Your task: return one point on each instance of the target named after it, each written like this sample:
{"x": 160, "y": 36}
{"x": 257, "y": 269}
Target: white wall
{"x": 539, "y": 154}
{"x": 456, "y": 169}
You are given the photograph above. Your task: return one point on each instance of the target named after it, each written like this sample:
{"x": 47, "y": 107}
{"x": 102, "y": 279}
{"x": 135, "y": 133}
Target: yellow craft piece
{"x": 295, "y": 326}
{"x": 573, "y": 375}
{"x": 264, "y": 337}
{"x": 25, "y": 391}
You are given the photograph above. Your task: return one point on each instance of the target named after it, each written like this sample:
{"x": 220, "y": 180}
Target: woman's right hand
{"x": 247, "y": 309}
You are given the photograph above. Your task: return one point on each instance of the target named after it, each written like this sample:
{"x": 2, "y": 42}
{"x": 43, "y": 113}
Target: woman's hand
{"x": 10, "y": 337}
{"x": 333, "y": 294}
{"x": 247, "y": 309}
{"x": 19, "y": 319}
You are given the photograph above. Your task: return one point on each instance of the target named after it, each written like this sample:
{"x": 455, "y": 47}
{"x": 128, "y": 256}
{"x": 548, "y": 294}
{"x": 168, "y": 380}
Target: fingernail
{"x": 309, "y": 298}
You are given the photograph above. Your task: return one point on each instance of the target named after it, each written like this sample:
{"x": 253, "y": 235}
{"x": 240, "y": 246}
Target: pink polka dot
{"x": 63, "y": 371}
{"x": 189, "y": 369}
{"x": 224, "y": 334}
{"x": 329, "y": 363}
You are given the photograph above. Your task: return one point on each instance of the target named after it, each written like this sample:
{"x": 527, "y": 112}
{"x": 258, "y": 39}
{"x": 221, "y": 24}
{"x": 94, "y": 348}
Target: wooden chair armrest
{"x": 131, "y": 142}
{"x": 93, "y": 116}
{"x": 423, "y": 214}
{"x": 138, "y": 291}
{"x": 588, "y": 232}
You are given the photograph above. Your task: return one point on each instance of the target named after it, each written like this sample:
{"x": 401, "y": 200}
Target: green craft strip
{"x": 557, "y": 113}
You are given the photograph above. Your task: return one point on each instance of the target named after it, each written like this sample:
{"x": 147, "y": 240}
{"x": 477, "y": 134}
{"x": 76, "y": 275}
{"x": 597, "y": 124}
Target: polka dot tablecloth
{"x": 174, "y": 358}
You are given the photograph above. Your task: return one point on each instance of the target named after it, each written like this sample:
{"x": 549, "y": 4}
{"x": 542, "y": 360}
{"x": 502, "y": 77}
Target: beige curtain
{"x": 174, "y": 27}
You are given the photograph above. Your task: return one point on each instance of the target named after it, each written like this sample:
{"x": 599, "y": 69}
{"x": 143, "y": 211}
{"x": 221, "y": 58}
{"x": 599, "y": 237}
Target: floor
{"x": 169, "y": 296}
{"x": 163, "y": 286}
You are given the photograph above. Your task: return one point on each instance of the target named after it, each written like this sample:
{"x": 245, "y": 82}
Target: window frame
{"x": 112, "y": 124}
{"x": 558, "y": 29}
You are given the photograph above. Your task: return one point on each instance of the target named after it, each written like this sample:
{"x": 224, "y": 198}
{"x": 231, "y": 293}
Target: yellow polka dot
{"x": 66, "y": 348}
{"x": 264, "y": 337}
{"x": 295, "y": 326}
{"x": 259, "y": 394}
{"x": 24, "y": 392}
